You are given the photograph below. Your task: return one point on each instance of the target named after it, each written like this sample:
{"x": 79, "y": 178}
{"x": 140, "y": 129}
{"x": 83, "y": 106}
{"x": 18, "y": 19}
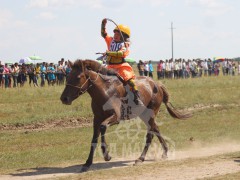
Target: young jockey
{"x": 116, "y": 54}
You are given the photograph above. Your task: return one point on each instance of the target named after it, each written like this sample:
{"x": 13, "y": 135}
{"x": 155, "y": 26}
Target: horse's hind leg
{"x": 162, "y": 141}
{"x": 149, "y": 138}
{"x": 155, "y": 131}
{"x": 152, "y": 130}
{"x": 103, "y": 127}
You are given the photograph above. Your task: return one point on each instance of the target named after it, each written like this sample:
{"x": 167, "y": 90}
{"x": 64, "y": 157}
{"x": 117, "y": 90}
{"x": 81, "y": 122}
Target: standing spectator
{"x": 205, "y": 67}
{"x": 51, "y": 74}
{"x": 22, "y": 75}
{"x": 68, "y": 70}
{"x": 2, "y": 76}
{"x": 46, "y": 76}
{"x": 160, "y": 70}
{"x": 171, "y": 66}
{"x": 227, "y": 67}
{"x": 140, "y": 67}
{"x": 193, "y": 68}
{"x": 216, "y": 69}
{"x": 224, "y": 65}
{"x": 7, "y": 76}
{"x": 151, "y": 70}
{"x": 11, "y": 75}
{"x": 187, "y": 70}
{"x": 184, "y": 69}
{"x": 30, "y": 72}
{"x": 176, "y": 69}
{"x": 64, "y": 70}
{"x": 15, "y": 72}
{"x": 230, "y": 69}
{"x": 180, "y": 65}
{"x": 60, "y": 73}
{"x": 146, "y": 68}
{"x": 43, "y": 72}
{"x": 199, "y": 68}
{"x": 210, "y": 67}
{"x": 36, "y": 75}
{"x": 234, "y": 68}
{"x": 168, "y": 69}
{"x": 238, "y": 67}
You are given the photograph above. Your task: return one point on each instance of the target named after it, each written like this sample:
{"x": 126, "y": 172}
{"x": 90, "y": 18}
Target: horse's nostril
{"x": 65, "y": 99}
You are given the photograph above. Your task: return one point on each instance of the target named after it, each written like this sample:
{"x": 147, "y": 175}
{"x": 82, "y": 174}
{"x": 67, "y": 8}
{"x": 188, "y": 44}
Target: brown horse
{"x": 110, "y": 99}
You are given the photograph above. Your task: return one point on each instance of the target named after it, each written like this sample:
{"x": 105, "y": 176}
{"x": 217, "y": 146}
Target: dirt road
{"x": 195, "y": 163}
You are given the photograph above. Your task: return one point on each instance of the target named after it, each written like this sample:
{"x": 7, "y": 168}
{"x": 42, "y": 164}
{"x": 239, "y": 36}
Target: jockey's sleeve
{"x": 121, "y": 53}
{"x": 108, "y": 39}
{"x": 103, "y": 28}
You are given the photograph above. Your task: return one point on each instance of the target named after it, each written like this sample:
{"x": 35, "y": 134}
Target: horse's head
{"x": 78, "y": 81}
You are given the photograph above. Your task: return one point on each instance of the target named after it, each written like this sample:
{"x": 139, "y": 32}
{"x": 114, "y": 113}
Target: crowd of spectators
{"x": 40, "y": 74}
{"x": 181, "y": 68}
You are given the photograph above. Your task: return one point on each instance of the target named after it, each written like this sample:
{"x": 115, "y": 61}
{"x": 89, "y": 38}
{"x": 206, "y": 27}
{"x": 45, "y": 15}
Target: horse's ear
{"x": 86, "y": 64}
{"x": 70, "y": 63}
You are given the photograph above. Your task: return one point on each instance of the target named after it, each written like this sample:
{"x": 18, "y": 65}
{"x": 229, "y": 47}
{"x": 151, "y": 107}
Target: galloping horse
{"x": 109, "y": 96}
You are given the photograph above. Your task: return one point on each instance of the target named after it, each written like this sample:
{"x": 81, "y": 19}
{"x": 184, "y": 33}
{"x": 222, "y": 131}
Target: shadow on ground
{"x": 76, "y": 169}
{"x": 237, "y": 160}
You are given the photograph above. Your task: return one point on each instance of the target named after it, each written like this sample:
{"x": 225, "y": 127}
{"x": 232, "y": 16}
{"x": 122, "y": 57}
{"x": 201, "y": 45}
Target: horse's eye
{"x": 88, "y": 68}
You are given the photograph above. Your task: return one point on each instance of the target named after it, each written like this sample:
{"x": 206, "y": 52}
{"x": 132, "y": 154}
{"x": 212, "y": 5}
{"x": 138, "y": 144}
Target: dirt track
{"x": 195, "y": 163}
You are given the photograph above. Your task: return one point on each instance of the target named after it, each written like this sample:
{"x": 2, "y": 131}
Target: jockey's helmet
{"x": 124, "y": 29}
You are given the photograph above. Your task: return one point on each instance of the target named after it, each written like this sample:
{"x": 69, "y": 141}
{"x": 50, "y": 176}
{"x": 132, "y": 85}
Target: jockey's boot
{"x": 135, "y": 91}
{"x": 137, "y": 99}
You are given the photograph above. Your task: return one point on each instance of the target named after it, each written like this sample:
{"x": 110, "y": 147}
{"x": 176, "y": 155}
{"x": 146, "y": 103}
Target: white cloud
{"x": 158, "y": 2}
{"x": 64, "y": 3}
{"x": 92, "y": 4}
{"x": 47, "y": 16}
{"x": 5, "y": 17}
{"x": 38, "y": 4}
{"x": 211, "y": 7}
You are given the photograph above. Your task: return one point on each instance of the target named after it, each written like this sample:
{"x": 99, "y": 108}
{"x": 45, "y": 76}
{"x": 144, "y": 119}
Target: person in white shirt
{"x": 238, "y": 68}
{"x": 146, "y": 68}
{"x": 205, "y": 67}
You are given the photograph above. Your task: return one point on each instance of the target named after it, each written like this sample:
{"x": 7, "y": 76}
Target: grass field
{"x": 214, "y": 101}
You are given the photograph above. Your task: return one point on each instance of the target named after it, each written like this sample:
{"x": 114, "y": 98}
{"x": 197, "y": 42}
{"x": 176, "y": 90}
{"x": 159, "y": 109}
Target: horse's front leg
{"x": 94, "y": 142}
{"x": 103, "y": 127}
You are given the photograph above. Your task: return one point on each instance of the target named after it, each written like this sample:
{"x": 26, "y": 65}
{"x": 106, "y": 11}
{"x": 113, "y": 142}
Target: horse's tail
{"x": 170, "y": 108}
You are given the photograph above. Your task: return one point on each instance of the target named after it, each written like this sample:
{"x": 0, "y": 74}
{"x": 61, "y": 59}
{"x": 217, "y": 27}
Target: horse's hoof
{"x": 107, "y": 158}
{"x": 138, "y": 162}
{"x": 85, "y": 168}
{"x": 164, "y": 156}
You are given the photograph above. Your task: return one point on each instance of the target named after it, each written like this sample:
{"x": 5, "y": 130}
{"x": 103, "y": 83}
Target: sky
{"x": 70, "y": 29}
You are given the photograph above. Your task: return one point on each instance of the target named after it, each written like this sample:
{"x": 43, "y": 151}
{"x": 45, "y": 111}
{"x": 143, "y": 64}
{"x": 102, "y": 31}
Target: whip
{"x": 118, "y": 29}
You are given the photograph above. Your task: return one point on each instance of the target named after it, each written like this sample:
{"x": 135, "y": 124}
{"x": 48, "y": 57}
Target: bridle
{"x": 81, "y": 88}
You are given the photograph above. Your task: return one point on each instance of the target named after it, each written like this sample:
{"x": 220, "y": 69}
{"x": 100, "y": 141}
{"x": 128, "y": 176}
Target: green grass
{"x": 31, "y": 105}
{"x": 22, "y": 149}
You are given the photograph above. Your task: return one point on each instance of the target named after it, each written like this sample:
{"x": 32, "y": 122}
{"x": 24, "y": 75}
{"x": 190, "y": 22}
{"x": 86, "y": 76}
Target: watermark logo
{"x": 128, "y": 138}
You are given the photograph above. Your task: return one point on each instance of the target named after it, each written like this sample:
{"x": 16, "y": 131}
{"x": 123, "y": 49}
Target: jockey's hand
{"x": 104, "y": 21}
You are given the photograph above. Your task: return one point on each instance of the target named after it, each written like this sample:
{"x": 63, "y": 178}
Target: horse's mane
{"x": 108, "y": 75}
{"x": 94, "y": 66}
